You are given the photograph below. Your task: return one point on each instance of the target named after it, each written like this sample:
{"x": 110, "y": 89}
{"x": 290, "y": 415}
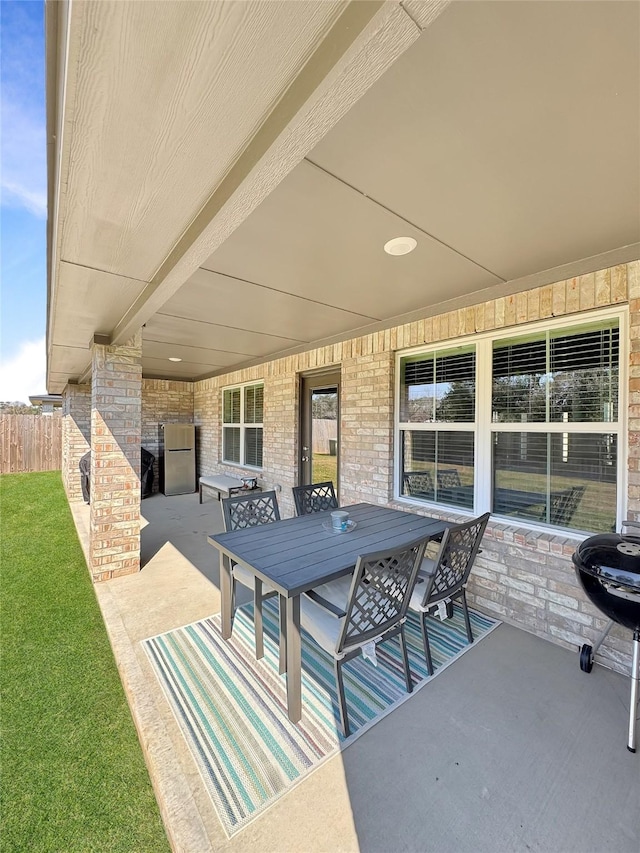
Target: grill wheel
{"x": 586, "y": 658}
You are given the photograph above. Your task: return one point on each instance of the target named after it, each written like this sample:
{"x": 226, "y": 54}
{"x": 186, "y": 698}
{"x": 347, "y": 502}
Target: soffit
{"x": 94, "y": 302}
{"x": 318, "y": 239}
{"x": 240, "y": 343}
{"x": 506, "y": 141}
{"x": 164, "y": 114}
{"x": 509, "y": 131}
{"x": 164, "y": 103}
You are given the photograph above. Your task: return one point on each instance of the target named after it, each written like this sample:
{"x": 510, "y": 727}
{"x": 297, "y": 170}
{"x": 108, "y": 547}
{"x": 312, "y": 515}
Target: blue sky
{"x": 23, "y": 238}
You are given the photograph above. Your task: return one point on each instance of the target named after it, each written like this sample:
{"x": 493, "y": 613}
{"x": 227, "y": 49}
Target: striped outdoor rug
{"x": 232, "y": 709}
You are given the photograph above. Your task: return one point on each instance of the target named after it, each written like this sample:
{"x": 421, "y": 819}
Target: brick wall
{"x": 366, "y": 442}
{"x": 76, "y": 436}
{"x": 523, "y": 577}
{"x": 164, "y": 401}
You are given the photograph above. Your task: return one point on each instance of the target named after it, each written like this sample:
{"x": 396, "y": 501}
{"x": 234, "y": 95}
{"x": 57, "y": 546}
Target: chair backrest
{"x": 242, "y": 511}
{"x": 418, "y": 483}
{"x": 448, "y": 478}
{"x": 564, "y": 505}
{"x": 458, "y": 550}
{"x": 380, "y": 592}
{"x": 316, "y": 497}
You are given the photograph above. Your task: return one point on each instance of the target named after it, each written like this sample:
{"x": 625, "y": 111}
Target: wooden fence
{"x": 324, "y": 430}
{"x": 30, "y": 443}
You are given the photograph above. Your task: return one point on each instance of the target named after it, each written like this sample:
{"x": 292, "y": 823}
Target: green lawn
{"x": 325, "y": 468}
{"x": 73, "y": 775}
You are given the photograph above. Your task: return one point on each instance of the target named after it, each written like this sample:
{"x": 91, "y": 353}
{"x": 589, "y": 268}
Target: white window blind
{"x": 242, "y": 427}
{"x": 562, "y": 378}
{"x": 437, "y": 414}
{"x": 526, "y": 426}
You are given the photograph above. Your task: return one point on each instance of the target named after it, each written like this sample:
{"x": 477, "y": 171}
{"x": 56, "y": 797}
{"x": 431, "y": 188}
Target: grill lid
{"x": 612, "y": 557}
{"x": 608, "y": 568}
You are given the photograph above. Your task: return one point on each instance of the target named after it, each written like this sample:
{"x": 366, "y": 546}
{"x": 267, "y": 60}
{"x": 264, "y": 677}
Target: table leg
{"x": 294, "y": 662}
{"x": 257, "y": 618}
{"x": 282, "y": 609}
{"x": 225, "y": 596}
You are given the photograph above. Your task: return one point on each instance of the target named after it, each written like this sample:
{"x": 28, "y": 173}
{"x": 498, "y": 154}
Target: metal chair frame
{"x": 448, "y": 478}
{"x": 448, "y": 580}
{"x": 240, "y": 512}
{"x": 564, "y": 505}
{"x": 316, "y": 497}
{"x": 418, "y": 484}
{"x": 376, "y": 609}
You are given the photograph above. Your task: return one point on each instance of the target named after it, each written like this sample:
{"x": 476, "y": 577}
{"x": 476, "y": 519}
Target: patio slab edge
{"x": 182, "y": 820}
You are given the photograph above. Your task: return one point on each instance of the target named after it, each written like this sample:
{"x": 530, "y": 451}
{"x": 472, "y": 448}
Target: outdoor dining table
{"x": 297, "y": 554}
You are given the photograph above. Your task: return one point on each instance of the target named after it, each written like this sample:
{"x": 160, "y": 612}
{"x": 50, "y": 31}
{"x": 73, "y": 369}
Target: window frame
{"x": 484, "y": 427}
{"x": 242, "y": 425}
{"x": 441, "y": 348}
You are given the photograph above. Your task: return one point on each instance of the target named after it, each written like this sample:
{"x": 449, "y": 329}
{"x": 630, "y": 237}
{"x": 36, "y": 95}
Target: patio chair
{"x": 316, "y": 497}
{"x": 564, "y": 505}
{"x": 368, "y": 607}
{"x": 444, "y": 579}
{"x": 418, "y": 484}
{"x": 239, "y": 512}
{"x": 448, "y": 478}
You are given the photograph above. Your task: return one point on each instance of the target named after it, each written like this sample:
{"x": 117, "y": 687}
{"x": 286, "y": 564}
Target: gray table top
{"x": 297, "y": 554}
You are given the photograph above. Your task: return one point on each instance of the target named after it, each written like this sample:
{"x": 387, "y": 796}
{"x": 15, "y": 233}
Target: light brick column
{"x": 76, "y": 436}
{"x": 116, "y": 432}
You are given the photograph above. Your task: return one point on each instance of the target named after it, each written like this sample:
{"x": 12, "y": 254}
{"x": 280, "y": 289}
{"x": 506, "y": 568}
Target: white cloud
{"x": 24, "y": 373}
{"x": 23, "y": 157}
{"x": 21, "y": 196}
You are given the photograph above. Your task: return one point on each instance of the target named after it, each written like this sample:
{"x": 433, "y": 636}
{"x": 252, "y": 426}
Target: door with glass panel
{"x": 320, "y": 429}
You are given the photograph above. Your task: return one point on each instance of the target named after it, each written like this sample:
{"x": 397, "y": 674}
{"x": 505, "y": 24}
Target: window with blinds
{"x": 566, "y": 382}
{"x": 437, "y": 425}
{"x": 242, "y": 416}
{"x": 527, "y": 426}
{"x": 557, "y": 376}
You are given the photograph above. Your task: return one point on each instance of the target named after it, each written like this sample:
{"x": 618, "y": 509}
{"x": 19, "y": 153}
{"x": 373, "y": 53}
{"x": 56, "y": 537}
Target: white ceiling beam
{"x": 367, "y": 38}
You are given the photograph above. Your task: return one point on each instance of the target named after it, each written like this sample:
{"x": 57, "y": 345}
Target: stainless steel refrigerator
{"x": 178, "y": 458}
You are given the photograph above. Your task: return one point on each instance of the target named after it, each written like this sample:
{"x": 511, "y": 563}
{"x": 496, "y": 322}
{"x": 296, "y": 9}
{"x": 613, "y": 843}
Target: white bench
{"x": 221, "y": 484}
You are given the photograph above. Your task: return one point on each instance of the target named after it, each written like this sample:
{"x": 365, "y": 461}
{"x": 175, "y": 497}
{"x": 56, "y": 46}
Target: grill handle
{"x": 611, "y": 574}
{"x": 630, "y": 529}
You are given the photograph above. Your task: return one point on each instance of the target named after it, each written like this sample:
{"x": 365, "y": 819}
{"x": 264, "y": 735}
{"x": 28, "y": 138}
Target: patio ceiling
{"x": 505, "y": 138}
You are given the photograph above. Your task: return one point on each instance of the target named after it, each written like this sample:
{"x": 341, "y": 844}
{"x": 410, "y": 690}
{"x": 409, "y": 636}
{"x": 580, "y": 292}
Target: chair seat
{"x": 247, "y": 578}
{"x": 323, "y": 625}
{"x": 427, "y": 568}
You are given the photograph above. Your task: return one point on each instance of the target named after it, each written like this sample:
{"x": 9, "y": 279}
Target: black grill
{"x": 608, "y": 568}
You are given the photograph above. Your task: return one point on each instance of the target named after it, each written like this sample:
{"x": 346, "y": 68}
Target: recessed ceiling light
{"x": 400, "y": 246}
{"x": 174, "y": 358}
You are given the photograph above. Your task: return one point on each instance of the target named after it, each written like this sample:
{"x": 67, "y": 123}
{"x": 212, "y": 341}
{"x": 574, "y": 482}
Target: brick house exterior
{"x": 523, "y": 576}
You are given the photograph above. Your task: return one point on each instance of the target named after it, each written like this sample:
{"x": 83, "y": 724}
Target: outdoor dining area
{"x": 506, "y": 719}
{"x": 348, "y": 577}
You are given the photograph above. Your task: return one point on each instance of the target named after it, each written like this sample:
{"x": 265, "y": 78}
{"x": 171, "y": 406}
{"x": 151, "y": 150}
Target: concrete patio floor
{"x": 511, "y": 748}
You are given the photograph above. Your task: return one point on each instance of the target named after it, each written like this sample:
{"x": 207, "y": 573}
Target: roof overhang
{"x": 237, "y": 209}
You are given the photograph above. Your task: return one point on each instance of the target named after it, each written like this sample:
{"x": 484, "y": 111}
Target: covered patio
{"x": 416, "y": 223}
{"x": 511, "y": 748}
